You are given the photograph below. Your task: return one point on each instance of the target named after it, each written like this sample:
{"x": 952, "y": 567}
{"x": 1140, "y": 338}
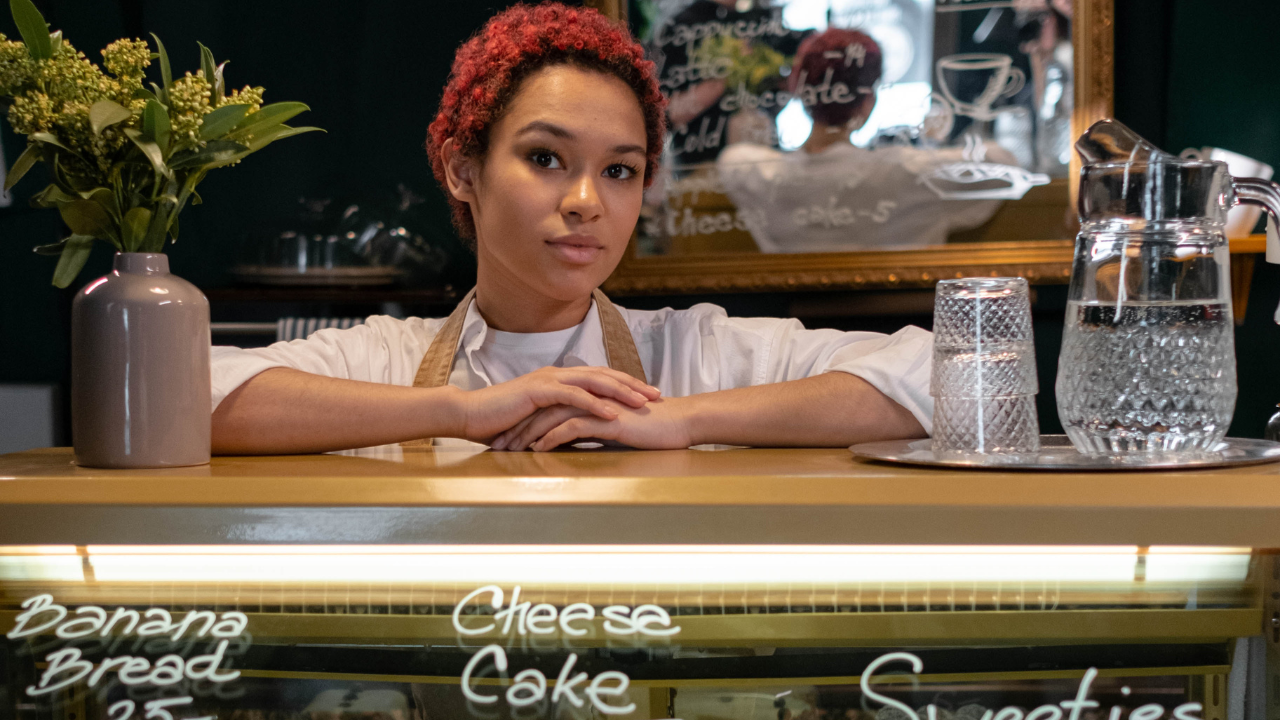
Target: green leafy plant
{"x": 125, "y": 159}
{"x": 753, "y": 64}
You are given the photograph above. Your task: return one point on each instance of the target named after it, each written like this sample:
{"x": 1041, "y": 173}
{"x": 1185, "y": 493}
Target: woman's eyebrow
{"x": 544, "y": 126}
{"x": 556, "y": 130}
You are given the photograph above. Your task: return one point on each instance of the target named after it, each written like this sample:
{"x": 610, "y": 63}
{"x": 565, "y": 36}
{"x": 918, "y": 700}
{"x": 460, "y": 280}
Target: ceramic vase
{"x": 140, "y": 389}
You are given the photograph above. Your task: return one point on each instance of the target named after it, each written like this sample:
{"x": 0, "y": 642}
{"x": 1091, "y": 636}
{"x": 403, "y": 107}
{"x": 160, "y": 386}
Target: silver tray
{"x": 1057, "y": 453}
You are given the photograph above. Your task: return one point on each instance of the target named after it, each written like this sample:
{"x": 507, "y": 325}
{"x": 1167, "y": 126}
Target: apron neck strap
{"x": 619, "y": 346}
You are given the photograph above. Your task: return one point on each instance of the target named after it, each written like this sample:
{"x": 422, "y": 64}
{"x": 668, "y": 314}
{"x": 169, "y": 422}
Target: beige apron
{"x": 437, "y": 364}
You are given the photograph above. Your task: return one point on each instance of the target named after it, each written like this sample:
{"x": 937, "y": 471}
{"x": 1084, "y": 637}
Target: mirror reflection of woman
{"x": 832, "y": 196}
{"x": 549, "y": 128}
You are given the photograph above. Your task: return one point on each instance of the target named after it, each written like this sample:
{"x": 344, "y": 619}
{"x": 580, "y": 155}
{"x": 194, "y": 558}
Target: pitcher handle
{"x": 1257, "y": 191}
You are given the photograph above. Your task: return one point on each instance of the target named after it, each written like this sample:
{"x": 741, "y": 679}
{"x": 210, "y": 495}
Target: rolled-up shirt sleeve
{"x": 755, "y": 351}
{"x": 702, "y": 349}
{"x": 383, "y": 350}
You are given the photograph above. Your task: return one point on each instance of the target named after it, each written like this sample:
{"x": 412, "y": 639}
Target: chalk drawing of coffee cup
{"x": 973, "y": 81}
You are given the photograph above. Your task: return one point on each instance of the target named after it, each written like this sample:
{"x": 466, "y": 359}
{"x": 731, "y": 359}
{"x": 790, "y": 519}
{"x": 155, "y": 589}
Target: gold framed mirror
{"x": 937, "y": 144}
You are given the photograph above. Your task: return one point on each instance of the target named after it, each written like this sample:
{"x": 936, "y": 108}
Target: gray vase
{"x": 140, "y": 391}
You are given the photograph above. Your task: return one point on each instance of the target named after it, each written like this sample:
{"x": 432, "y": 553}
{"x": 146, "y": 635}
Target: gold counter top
{"x": 739, "y": 496}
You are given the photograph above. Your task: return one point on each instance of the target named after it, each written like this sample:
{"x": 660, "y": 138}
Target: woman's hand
{"x": 661, "y": 424}
{"x": 597, "y": 392}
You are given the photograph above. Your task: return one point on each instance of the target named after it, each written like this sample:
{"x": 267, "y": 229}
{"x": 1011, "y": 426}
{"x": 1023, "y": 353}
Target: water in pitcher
{"x": 1150, "y": 376}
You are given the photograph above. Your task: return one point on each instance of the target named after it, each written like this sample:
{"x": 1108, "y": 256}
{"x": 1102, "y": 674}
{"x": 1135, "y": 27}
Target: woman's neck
{"x": 824, "y": 136}
{"x": 508, "y": 303}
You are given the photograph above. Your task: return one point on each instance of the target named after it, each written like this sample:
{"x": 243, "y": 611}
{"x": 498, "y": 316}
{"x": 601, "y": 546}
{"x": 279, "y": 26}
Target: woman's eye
{"x": 619, "y": 172}
{"x": 545, "y": 158}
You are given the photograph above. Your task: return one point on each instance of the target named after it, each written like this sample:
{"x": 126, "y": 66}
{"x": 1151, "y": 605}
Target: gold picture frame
{"x": 1040, "y": 261}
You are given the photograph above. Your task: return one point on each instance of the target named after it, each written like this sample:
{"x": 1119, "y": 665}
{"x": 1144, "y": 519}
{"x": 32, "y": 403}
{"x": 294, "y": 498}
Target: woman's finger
{"x": 595, "y": 373}
{"x": 579, "y": 398}
{"x": 603, "y": 386}
{"x": 541, "y": 424}
{"x": 573, "y": 429}
{"x": 503, "y": 441}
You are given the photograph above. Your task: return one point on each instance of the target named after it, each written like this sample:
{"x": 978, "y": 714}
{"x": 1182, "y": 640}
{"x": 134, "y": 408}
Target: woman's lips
{"x": 576, "y": 249}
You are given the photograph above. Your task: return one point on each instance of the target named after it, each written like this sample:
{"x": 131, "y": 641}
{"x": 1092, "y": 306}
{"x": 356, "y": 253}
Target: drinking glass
{"x": 984, "y": 368}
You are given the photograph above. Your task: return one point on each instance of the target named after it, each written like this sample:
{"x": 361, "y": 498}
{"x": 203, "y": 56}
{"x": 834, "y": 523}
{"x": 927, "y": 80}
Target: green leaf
{"x": 222, "y": 121}
{"x": 106, "y": 113}
{"x": 206, "y": 62}
{"x": 155, "y": 124}
{"x": 134, "y": 228}
{"x": 279, "y": 133}
{"x": 276, "y": 133}
{"x": 173, "y": 226}
{"x": 33, "y": 28}
{"x": 219, "y": 80}
{"x": 51, "y": 196}
{"x": 144, "y": 94}
{"x": 269, "y": 115}
{"x": 50, "y": 139}
{"x": 159, "y": 227}
{"x": 50, "y": 249}
{"x": 166, "y": 73}
{"x": 25, "y": 162}
{"x": 74, "y": 254}
{"x": 86, "y": 217}
{"x": 151, "y": 150}
{"x": 69, "y": 182}
{"x": 214, "y": 153}
{"x": 106, "y": 198}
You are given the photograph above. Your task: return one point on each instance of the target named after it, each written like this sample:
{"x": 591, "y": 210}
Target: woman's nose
{"x": 582, "y": 200}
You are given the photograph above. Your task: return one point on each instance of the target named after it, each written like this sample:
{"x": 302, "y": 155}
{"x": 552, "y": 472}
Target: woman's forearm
{"x": 834, "y": 409}
{"x": 288, "y": 411}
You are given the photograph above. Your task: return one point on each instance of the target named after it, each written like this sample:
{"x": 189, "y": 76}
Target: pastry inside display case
{"x": 691, "y": 632}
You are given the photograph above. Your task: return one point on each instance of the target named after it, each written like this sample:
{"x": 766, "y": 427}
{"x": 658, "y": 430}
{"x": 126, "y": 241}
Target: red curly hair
{"x": 489, "y": 67}
{"x": 853, "y": 59}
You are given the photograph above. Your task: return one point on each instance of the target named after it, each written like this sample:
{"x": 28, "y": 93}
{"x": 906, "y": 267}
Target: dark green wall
{"x": 1189, "y": 73}
{"x": 1195, "y": 73}
{"x": 372, "y": 72}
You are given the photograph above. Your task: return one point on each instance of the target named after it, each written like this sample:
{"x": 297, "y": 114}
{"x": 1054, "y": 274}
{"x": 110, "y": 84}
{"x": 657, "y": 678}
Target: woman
{"x": 549, "y": 128}
{"x": 832, "y": 196}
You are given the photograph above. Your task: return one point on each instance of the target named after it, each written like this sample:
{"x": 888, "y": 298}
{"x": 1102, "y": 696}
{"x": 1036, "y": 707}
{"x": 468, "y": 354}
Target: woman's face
{"x": 558, "y": 193}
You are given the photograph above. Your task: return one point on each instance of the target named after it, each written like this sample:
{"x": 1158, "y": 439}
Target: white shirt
{"x": 684, "y": 352}
{"x": 846, "y": 197}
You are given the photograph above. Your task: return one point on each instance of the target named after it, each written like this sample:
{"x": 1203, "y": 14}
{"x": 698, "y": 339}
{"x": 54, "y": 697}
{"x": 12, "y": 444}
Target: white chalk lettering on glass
{"x": 608, "y": 689}
{"x": 519, "y": 618}
{"x": 740, "y": 29}
{"x": 67, "y": 666}
{"x": 1064, "y": 710}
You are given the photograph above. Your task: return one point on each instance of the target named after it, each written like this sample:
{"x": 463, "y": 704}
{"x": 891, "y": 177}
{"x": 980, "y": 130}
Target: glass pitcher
{"x": 1148, "y": 354}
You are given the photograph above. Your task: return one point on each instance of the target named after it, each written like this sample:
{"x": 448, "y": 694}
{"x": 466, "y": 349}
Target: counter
{"x": 718, "y": 496}
{"x": 708, "y": 584}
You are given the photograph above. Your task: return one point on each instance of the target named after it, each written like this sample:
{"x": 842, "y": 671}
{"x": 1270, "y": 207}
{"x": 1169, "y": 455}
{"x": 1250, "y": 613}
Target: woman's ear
{"x": 459, "y": 171}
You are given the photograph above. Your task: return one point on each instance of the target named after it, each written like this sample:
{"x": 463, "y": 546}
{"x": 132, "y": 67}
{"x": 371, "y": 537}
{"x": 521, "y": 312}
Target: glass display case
{"x": 253, "y": 627}
{"x": 971, "y": 633}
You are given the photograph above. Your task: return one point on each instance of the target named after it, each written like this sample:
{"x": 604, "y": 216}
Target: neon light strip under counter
{"x": 630, "y": 564}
